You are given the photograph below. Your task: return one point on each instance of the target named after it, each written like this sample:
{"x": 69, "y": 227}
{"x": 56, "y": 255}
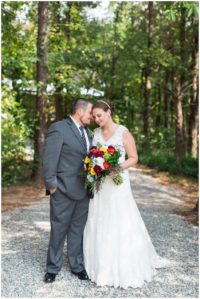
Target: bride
{"x": 117, "y": 248}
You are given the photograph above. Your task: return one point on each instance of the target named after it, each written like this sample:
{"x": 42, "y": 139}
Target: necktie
{"x": 83, "y": 137}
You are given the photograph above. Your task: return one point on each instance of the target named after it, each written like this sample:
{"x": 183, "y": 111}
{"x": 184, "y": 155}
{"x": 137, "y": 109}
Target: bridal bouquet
{"x": 100, "y": 162}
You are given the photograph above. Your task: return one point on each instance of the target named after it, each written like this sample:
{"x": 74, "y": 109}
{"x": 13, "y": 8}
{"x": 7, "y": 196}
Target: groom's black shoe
{"x": 81, "y": 275}
{"x": 49, "y": 277}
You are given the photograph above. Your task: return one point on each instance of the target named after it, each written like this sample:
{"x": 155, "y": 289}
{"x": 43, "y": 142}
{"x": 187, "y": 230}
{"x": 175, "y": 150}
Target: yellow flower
{"x": 87, "y": 160}
{"x": 92, "y": 172}
{"x": 103, "y": 149}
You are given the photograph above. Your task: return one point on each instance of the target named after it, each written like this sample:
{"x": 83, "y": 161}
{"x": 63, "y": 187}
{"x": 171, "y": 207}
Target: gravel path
{"x": 25, "y": 235}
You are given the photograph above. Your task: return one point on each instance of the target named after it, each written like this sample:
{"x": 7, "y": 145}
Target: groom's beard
{"x": 85, "y": 124}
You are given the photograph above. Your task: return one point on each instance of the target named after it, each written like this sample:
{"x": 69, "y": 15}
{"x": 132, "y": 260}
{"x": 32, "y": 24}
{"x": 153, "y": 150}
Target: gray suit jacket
{"x": 63, "y": 158}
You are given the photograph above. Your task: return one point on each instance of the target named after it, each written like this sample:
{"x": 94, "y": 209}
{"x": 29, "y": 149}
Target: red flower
{"x": 111, "y": 149}
{"x": 106, "y": 164}
{"x": 94, "y": 152}
{"x": 97, "y": 169}
{"x": 93, "y": 147}
{"x": 98, "y": 153}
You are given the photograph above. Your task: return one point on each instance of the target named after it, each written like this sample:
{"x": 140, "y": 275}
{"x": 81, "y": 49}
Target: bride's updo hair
{"x": 104, "y": 105}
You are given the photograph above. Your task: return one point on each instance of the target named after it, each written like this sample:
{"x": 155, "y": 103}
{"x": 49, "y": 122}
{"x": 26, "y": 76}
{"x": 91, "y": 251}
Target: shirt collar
{"x": 75, "y": 122}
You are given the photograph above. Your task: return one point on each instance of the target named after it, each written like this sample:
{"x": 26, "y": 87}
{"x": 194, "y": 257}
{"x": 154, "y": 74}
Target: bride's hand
{"x": 118, "y": 168}
{"x": 112, "y": 174}
{"x": 122, "y": 166}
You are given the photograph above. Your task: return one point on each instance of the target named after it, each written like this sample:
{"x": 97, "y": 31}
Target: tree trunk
{"x": 41, "y": 122}
{"x": 65, "y": 30}
{"x": 193, "y": 118}
{"x": 182, "y": 43}
{"x": 159, "y": 100}
{"x": 183, "y": 56}
{"x": 146, "y": 112}
{"x": 147, "y": 80}
{"x": 171, "y": 106}
{"x": 111, "y": 92}
{"x": 166, "y": 100}
{"x": 178, "y": 84}
{"x": 179, "y": 149}
{"x": 193, "y": 141}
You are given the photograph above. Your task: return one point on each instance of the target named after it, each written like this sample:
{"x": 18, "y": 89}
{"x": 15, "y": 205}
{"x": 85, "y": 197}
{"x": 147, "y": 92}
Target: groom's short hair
{"x": 80, "y": 103}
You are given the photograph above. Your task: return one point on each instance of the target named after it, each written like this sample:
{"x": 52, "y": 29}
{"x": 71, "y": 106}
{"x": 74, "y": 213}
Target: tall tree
{"x": 147, "y": 85}
{"x": 193, "y": 118}
{"x": 178, "y": 90}
{"x": 41, "y": 124}
{"x": 179, "y": 151}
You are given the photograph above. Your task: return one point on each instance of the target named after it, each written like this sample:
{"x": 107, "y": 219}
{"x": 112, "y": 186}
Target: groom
{"x": 65, "y": 148}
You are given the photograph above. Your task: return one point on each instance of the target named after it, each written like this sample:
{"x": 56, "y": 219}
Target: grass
{"x": 165, "y": 161}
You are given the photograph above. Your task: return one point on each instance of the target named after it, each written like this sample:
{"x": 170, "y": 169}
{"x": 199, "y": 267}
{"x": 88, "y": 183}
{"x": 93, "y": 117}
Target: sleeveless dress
{"x": 117, "y": 248}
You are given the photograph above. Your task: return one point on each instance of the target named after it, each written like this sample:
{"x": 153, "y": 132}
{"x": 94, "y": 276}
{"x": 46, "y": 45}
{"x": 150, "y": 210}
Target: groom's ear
{"x": 79, "y": 111}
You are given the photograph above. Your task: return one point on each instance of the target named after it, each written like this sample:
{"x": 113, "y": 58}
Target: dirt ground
{"x": 20, "y": 196}
{"x": 190, "y": 186}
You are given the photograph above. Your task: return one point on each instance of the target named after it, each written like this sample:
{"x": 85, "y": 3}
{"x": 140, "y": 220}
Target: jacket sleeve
{"x": 51, "y": 155}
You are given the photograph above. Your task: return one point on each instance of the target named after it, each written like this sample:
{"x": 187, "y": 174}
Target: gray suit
{"x": 63, "y": 157}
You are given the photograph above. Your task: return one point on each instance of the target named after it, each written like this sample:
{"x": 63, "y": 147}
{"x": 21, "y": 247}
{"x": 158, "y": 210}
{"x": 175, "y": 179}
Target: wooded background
{"x": 143, "y": 56}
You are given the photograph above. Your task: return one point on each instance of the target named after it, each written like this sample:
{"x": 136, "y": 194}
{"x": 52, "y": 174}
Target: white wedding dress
{"x": 117, "y": 248}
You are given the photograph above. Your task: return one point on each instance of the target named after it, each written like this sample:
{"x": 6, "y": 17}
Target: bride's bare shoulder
{"x": 126, "y": 134}
{"x": 123, "y": 129}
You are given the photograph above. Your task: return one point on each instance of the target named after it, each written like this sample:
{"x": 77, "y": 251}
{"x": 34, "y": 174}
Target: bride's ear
{"x": 109, "y": 112}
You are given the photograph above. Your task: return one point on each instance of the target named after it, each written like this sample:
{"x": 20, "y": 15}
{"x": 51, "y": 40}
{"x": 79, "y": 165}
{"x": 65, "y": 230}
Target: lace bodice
{"x": 115, "y": 140}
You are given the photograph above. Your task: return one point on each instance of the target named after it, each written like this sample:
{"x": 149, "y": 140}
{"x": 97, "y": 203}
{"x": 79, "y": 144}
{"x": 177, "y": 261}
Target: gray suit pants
{"x": 68, "y": 218}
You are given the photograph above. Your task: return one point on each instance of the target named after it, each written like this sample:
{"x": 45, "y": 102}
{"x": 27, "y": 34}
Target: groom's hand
{"x": 52, "y": 190}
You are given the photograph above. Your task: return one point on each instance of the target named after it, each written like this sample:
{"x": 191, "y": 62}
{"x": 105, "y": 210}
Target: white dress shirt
{"x": 85, "y": 133}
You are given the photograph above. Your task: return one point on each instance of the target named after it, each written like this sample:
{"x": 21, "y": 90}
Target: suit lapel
{"x": 75, "y": 131}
